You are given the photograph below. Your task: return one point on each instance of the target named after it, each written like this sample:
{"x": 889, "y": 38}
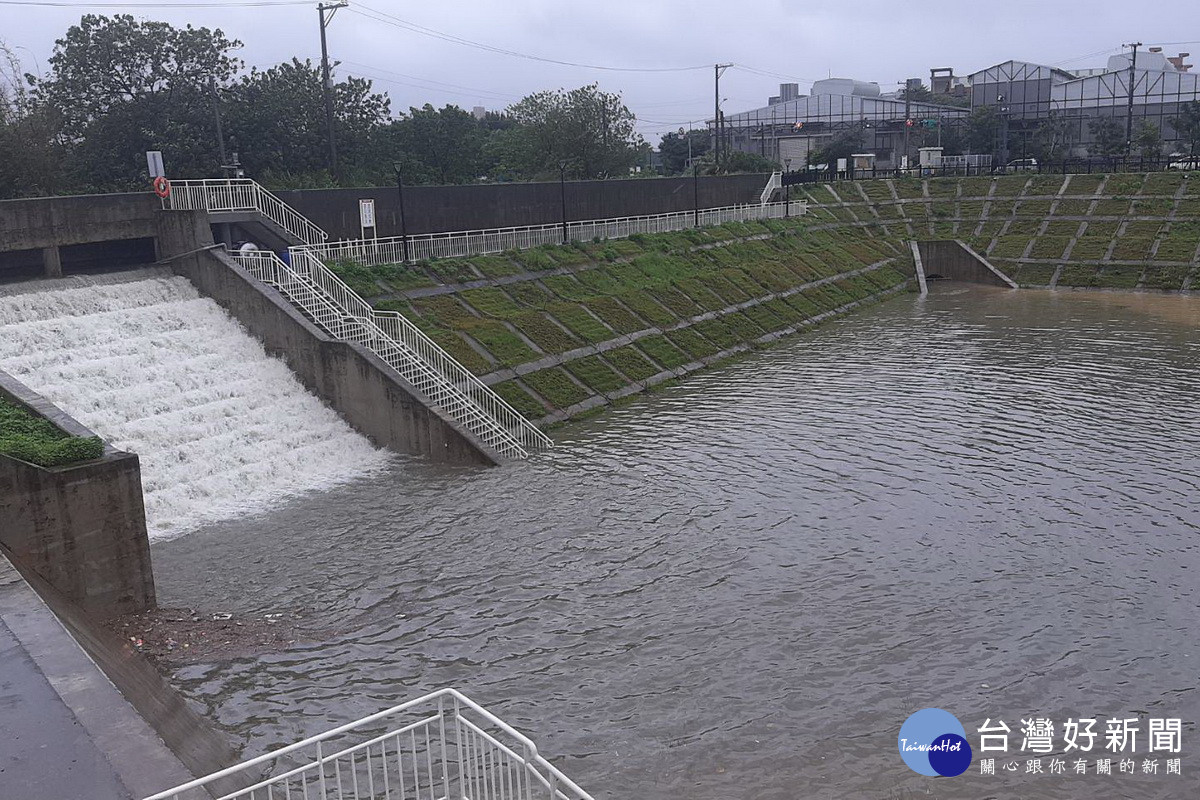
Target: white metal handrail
{"x": 241, "y": 194}
{"x": 461, "y": 244}
{"x": 338, "y": 310}
{"x": 440, "y": 746}
{"x": 774, "y": 183}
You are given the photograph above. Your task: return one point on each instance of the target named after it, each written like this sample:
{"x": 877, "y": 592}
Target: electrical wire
{"x": 412, "y": 27}
{"x": 229, "y": 4}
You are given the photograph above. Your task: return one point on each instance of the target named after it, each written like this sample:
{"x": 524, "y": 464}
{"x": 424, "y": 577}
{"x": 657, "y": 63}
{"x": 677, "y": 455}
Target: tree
{"x": 981, "y": 130}
{"x": 28, "y": 138}
{"x": 1147, "y": 139}
{"x": 1108, "y": 137}
{"x": 917, "y": 93}
{"x": 587, "y": 131}
{"x": 675, "y": 149}
{"x": 738, "y": 161}
{"x": 122, "y": 86}
{"x": 842, "y": 145}
{"x": 1051, "y": 138}
{"x": 1187, "y": 126}
{"x": 445, "y": 146}
{"x": 276, "y": 123}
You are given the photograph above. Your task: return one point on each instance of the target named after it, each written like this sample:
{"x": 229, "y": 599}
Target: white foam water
{"x": 222, "y": 429}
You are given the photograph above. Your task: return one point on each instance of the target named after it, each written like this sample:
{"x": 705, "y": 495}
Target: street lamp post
{"x": 403, "y": 225}
{"x": 787, "y": 189}
{"x": 562, "y": 196}
{"x": 695, "y": 195}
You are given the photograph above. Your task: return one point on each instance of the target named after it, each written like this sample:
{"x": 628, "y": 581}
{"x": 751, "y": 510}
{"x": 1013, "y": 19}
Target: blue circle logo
{"x": 933, "y": 742}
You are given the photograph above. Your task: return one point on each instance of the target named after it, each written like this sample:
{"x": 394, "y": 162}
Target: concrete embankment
{"x": 558, "y": 331}
{"x": 1119, "y": 231}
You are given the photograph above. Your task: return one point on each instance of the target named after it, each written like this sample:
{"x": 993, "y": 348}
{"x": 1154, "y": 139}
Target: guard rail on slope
{"x": 241, "y": 194}
{"x": 340, "y": 312}
{"x": 437, "y": 747}
{"x": 774, "y": 183}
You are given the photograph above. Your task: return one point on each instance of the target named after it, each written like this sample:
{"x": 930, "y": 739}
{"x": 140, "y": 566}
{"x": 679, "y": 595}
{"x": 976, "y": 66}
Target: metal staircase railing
{"x": 437, "y": 747}
{"x": 241, "y": 194}
{"x": 774, "y": 183}
{"x": 340, "y": 312}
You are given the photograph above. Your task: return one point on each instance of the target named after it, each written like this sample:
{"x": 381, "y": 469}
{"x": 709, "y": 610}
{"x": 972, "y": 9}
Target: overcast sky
{"x": 803, "y": 40}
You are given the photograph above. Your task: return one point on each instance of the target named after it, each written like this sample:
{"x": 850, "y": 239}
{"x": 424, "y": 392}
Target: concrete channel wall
{"x": 953, "y": 260}
{"x": 371, "y": 396}
{"x": 81, "y": 527}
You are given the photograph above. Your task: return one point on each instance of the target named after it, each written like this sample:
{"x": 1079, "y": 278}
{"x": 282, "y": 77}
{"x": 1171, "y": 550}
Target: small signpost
{"x": 366, "y": 218}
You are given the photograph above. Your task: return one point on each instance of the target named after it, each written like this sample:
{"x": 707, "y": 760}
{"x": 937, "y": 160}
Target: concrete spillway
{"x": 221, "y": 428}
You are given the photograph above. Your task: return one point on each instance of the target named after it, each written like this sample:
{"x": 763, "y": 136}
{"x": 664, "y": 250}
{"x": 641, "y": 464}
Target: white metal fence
{"x": 442, "y": 746}
{"x": 461, "y": 244}
{"x": 773, "y": 184}
{"x": 341, "y": 313}
{"x": 241, "y": 194}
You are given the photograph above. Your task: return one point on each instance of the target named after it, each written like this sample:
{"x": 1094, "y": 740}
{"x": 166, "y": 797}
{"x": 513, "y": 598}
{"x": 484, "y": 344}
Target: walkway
{"x": 68, "y": 733}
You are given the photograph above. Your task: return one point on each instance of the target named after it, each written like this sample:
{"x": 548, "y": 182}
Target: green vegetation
{"x": 595, "y": 373}
{"x": 520, "y": 399}
{"x": 555, "y": 385}
{"x": 28, "y": 437}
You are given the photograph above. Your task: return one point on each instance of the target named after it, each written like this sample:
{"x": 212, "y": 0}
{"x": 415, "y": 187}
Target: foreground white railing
{"x": 241, "y": 194}
{"x": 461, "y": 244}
{"x": 341, "y": 313}
{"x": 437, "y": 747}
{"x": 774, "y": 183}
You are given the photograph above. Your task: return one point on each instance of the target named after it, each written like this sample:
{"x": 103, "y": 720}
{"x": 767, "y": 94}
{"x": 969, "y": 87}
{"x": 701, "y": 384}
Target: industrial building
{"x": 791, "y": 126}
{"x": 1025, "y": 97}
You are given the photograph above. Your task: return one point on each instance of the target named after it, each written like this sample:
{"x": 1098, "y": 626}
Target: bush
{"x": 31, "y": 438}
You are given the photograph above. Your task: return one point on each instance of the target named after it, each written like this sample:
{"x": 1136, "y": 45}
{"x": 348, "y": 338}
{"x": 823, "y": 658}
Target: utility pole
{"x": 212, "y": 88}
{"x": 718, "y": 71}
{"x": 907, "y": 118}
{"x": 327, "y": 83}
{"x": 1129, "y": 110}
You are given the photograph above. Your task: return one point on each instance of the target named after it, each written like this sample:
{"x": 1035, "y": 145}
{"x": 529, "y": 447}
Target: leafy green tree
{"x": 122, "y": 86}
{"x": 1147, "y": 138}
{"x": 675, "y": 148}
{"x": 438, "y": 146}
{"x": 588, "y": 131}
{"x": 1108, "y": 137}
{"x": 276, "y": 122}
{"x": 30, "y": 165}
{"x": 1187, "y": 126}
{"x": 842, "y": 145}
{"x": 981, "y": 130}
{"x": 918, "y": 93}
{"x": 737, "y": 161}
{"x": 1051, "y": 138}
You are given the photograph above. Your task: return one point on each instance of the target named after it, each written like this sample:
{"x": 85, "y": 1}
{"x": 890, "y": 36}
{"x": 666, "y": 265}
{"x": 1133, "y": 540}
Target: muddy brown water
{"x": 740, "y": 587}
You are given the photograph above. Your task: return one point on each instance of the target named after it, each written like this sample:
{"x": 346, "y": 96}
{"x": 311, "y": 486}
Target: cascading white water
{"x": 222, "y": 429}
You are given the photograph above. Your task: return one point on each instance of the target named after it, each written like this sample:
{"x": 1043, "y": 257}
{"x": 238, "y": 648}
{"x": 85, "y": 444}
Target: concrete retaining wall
{"x": 372, "y": 397}
{"x": 81, "y": 528}
{"x": 952, "y": 260}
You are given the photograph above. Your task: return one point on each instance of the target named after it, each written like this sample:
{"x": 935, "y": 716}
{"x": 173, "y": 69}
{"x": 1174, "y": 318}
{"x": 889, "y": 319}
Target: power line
{"x": 412, "y": 27}
{"x": 230, "y": 4}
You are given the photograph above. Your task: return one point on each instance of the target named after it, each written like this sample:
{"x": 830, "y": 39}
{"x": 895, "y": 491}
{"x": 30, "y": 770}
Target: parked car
{"x": 1180, "y": 161}
{"x": 1021, "y": 165}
